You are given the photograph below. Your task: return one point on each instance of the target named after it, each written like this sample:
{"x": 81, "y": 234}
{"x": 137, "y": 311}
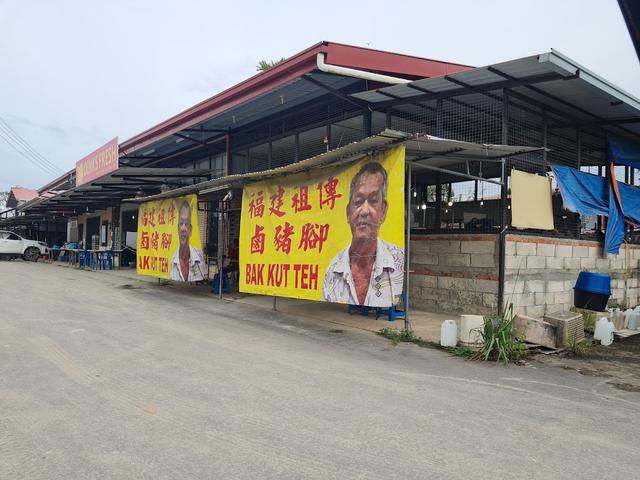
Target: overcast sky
{"x": 75, "y": 74}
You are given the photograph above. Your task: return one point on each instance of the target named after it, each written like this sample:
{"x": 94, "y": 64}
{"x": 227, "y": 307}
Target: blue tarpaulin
{"x": 592, "y": 195}
{"x": 621, "y": 151}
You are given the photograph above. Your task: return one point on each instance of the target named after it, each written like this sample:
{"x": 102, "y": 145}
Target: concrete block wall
{"x": 540, "y": 272}
{"x": 454, "y": 273}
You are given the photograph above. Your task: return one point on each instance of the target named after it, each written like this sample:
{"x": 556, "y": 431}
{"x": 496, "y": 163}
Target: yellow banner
{"x": 168, "y": 241}
{"x": 333, "y": 234}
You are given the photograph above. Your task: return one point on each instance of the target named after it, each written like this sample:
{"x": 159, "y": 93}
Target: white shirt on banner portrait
{"x": 197, "y": 266}
{"x": 385, "y": 286}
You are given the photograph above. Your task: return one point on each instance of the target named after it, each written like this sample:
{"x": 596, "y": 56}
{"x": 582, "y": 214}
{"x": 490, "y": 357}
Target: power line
{"x": 22, "y": 143}
{"x": 50, "y": 172}
{"x": 25, "y": 152}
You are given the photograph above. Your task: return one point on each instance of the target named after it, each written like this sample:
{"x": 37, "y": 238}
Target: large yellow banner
{"x": 168, "y": 241}
{"x": 334, "y": 234}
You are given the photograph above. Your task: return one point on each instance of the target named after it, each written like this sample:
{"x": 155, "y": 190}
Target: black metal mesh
{"x": 464, "y": 205}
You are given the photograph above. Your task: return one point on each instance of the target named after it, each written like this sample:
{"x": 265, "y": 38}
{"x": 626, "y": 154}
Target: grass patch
{"x": 578, "y": 348}
{"x": 588, "y": 317}
{"x": 462, "y": 351}
{"x": 403, "y": 335}
{"x": 499, "y": 342}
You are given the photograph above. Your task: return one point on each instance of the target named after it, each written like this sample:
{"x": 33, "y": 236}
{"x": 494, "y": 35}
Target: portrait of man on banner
{"x": 369, "y": 271}
{"x": 187, "y": 264}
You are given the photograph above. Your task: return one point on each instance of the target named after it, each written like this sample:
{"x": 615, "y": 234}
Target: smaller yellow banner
{"x": 168, "y": 243}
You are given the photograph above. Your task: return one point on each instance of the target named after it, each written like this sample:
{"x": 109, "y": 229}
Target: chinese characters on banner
{"x": 168, "y": 241}
{"x": 334, "y": 234}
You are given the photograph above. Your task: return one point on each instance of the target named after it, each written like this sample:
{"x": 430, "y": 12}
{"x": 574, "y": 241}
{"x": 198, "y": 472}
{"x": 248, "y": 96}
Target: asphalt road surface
{"x": 104, "y": 377}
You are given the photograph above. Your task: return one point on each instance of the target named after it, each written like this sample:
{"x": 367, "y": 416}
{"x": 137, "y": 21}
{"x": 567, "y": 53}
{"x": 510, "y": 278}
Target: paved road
{"x": 103, "y": 380}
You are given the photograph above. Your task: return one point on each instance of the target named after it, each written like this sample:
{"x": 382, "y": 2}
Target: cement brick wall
{"x": 454, "y": 273}
{"x": 540, "y": 272}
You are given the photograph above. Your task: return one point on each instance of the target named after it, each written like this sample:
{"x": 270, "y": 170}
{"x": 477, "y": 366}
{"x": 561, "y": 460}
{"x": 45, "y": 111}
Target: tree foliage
{"x": 264, "y": 65}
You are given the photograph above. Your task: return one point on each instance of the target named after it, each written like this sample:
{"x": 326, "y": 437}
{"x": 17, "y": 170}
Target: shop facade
{"x": 465, "y": 255}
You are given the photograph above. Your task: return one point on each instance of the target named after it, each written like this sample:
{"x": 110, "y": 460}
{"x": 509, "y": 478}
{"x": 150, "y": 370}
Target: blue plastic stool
{"x": 359, "y": 309}
{"x": 215, "y": 285}
{"x": 393, "y": 311}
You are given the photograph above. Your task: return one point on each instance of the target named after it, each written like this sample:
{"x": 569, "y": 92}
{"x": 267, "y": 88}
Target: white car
{"x": 13, "y": 245}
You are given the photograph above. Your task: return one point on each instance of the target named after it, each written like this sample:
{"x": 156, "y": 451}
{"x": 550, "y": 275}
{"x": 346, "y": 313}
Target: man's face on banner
{"x": 184, "y": 226}
{"x": 367, "y": 208}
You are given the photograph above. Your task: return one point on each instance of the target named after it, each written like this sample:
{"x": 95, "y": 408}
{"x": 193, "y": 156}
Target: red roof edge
{"x": 57, "y": 182}
{"x": 292, "y": 68}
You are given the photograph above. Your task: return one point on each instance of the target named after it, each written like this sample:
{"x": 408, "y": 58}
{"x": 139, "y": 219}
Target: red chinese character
{"x": 257, "y": 241}
{"x": 300, "y": 200}
{"x": 172, "y": 214}
{"x": 152, "y": 217}
{"x": 154, "y": 240}
{"x": 144, "y": 241}
{"x": 161, "y": 217}
{"x": 276, "y": 202}
{"x": 282, "y": 239}
{"x": 313, "y": 236}
{"x": 165, "y": 241}
{"x": 330, "y": 193}
{"x": 145, "y": 218}
{"x": 256, "y": 207}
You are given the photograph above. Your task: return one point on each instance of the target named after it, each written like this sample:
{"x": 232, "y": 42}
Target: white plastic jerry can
{"x": 627, "y": 314}
{"x": 633, "y": 320}
{"x": 607, "y": 334}
{"x": 449, "y": 333}
{"x": 601, "y": 327}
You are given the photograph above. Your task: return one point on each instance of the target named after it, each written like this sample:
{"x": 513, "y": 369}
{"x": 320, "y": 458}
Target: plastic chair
{"x": 215, "y": 285}
{"x": 105, "y": 259}
{"x": 393, "y": 311}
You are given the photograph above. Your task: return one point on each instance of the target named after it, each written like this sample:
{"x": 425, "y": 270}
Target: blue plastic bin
{"x": 592, "y": 291}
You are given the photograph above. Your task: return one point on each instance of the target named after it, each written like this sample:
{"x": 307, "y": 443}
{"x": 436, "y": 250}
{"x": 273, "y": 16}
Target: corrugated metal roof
{"x": 347, "y": 153}
{"x": 549, "y": 79}
{"x": 424, "y": 148}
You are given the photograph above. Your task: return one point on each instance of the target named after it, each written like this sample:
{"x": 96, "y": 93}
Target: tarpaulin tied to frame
{"x": 593, "y": 195}
{"x": 621, "y": 151}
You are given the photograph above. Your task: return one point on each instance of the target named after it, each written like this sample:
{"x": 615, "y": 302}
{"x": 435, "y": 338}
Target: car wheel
{"x": 31, "y": 254}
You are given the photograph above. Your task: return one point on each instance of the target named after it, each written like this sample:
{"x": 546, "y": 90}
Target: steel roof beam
{"x": 561, "y": 101}
{"x": 547, "y": 77}
{"x": 186, "y": 137}
{"x": 335, "y": 92}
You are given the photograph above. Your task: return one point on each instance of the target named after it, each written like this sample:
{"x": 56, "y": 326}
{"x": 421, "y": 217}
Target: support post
{"x": 407, "y": 246}
{"x": 545, "y": 138}
{"x": 503, "y": 204}
{"x": 438, "y": 213}
{"x": 366, "y": 122}
{"x": 502, "y": 238}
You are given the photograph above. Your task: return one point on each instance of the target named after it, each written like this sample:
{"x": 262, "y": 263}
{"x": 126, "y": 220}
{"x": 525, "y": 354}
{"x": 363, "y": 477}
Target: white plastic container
{"x": 627, "y": 313}
{"x": 618, "y": 319}
{"x": 449, "y": 333}
{"x": 633, "y": 320}
{"x": 601, "y": 328}
{"x": 470, "y": 328}
{"x": 607, "y": 334}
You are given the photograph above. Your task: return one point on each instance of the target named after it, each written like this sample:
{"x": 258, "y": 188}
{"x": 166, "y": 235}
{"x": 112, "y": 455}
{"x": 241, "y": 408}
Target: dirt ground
{"x": 619, "y": 362}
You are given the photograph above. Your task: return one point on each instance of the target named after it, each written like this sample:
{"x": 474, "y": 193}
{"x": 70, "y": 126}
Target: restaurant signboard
{"x": 97, "y": 163}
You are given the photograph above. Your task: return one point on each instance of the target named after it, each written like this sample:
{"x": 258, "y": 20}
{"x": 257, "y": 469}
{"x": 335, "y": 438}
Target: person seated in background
{"x": 233, "y": 255}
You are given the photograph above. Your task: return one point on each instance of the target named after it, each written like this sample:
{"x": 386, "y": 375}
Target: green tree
{"x": 264, "y": 65}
